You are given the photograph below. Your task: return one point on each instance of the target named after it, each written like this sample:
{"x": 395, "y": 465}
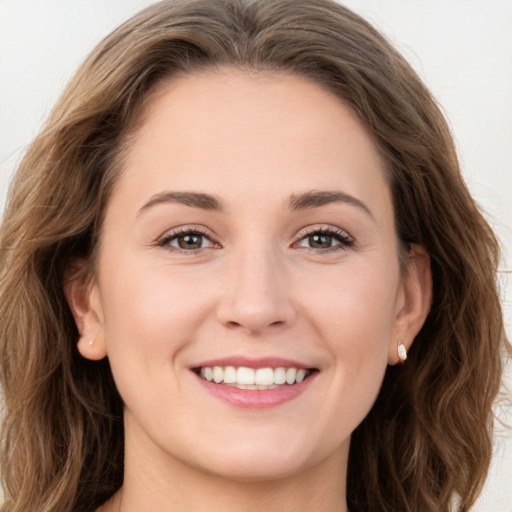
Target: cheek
{"x": 354, "y": 313}
{"x": 150, "y": 313}
{"x": 362, "y": 298}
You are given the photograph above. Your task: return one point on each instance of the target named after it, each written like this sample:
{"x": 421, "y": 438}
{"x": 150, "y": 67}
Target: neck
{"x": 271, "y": 497}
{"x": 154, "y": 484}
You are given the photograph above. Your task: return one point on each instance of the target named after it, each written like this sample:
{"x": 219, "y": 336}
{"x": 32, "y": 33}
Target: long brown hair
{"x": 428, "y": 436}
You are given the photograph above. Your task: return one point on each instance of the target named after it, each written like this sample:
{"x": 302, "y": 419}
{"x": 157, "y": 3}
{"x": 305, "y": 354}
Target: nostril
{"x": 238, "y": 325}
{"x": 255, "y": 315}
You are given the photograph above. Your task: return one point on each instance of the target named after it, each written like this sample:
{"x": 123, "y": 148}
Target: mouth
{"x": 254, "y": 379}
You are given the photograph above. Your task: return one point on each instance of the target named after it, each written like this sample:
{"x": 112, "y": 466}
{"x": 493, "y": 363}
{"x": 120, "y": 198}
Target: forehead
{"x": 249, "y": 130}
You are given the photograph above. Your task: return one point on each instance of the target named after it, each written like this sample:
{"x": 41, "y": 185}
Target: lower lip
{"x": 257, "y": 399}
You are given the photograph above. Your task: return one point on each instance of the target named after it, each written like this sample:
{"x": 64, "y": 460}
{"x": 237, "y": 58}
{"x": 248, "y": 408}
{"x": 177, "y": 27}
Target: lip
{"x": 255, "y": 399}
{"x": 255, "y": 363}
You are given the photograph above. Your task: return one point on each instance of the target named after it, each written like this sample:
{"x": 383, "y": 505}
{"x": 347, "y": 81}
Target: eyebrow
{"x": 311, "y": 199}
{"x": 317, "y": 198}
{"x": 193, "y": 199}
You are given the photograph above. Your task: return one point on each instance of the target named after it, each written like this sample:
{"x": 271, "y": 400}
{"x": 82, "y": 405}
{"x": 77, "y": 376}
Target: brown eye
{"x": 189, "y": 241}
{"x": 326, "y": 239}
{"x": 186, "y": 241}
{"x": 320, "y": 241}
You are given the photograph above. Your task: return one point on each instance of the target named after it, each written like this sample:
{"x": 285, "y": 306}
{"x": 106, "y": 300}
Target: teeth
{"x": 248, "y": 378}
{"x": 218, "y": 374}
{"x": 279, "y": 376}
{"x": 229, "y": 375}
{"x": 291, "y": 373}
{"x": 264, "y": 376}
{"x": 301, "y": 375}
{"x": 244, "y": 375}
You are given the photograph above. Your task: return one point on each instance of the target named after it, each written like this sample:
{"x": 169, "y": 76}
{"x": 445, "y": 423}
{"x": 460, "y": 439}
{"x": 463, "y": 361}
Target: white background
{"x": 461, "y": 48}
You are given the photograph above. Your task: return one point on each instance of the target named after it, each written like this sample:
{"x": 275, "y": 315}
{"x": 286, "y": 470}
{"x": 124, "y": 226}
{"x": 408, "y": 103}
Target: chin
{"x": 261, "y": 470}
{"x": 275, "y": 459}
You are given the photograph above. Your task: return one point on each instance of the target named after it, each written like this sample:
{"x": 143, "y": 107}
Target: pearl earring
{"x": 402, "y": 351}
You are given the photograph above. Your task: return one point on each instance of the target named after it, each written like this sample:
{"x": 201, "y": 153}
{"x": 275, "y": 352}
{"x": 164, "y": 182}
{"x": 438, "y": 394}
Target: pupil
{"x": 189, "y": 241}
{"x": 320, "y": 241}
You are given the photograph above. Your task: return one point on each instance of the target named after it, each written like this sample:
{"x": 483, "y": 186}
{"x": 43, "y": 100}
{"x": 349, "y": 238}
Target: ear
{"x": 413, "y": 301}
{"x": 83, "y": 297}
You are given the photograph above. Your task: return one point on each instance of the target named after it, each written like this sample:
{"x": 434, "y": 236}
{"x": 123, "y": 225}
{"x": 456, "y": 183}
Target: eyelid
{"x": 346, "y": 239}
{"x": 170, "y": 234}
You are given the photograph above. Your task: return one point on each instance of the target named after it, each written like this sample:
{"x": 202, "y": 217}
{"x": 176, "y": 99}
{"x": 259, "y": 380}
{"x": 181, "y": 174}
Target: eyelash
{"x": 345, "y": 241}
{"x": 174, "y": 235}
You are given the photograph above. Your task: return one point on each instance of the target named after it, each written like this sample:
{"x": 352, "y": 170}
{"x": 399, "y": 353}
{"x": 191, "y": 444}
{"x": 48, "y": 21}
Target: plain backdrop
{"x": 461, "y": 48}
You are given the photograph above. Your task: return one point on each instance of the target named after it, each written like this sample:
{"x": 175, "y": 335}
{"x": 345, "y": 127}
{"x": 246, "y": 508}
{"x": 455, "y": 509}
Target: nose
{"x": 256, "y": 294}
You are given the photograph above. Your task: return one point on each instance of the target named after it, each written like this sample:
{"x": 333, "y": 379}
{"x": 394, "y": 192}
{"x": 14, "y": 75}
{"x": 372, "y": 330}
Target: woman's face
{"x": 248, "y": 291}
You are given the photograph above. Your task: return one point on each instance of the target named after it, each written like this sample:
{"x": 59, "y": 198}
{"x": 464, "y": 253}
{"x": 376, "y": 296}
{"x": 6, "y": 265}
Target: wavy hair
{"x": 428, "y": 435}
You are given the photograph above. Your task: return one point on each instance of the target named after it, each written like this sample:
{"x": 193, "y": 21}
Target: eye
{"x": 326, "y": 239}
{"x": 186, "y": 240}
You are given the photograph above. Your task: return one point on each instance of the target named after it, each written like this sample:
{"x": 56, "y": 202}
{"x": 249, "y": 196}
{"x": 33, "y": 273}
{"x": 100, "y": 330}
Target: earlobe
{"x": 82, "y": 294}
{"x": 93, "y": 349}
{"x": 416, "y": 290}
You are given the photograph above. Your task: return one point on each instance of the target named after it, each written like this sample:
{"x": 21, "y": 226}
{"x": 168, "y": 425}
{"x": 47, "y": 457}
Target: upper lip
{"x": 249, "y": 362}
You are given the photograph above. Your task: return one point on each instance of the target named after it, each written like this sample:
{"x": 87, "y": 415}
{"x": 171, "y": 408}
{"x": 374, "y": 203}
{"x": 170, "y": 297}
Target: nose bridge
{"x": 256, "y": 298}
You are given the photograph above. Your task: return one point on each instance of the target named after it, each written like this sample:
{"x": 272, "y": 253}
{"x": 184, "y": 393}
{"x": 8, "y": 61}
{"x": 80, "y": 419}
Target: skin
{"x": 257, "y": 287}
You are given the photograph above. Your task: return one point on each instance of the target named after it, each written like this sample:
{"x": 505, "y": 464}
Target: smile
{"x": 261, "y": 379}
{"x": 249, "y": 383}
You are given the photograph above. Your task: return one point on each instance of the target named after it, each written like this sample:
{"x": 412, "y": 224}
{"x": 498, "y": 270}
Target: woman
{"x": 237, "y": 222}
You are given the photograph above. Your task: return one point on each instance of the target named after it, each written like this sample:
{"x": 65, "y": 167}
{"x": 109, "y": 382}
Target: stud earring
{"x": 402, "y": 352}
{"x": 91, "y": 342}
